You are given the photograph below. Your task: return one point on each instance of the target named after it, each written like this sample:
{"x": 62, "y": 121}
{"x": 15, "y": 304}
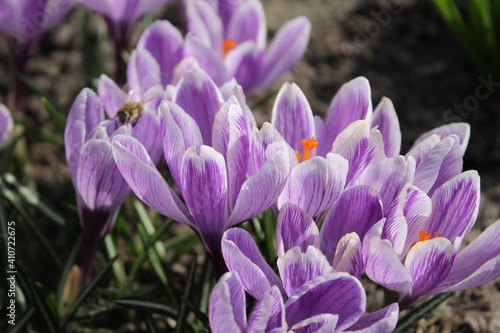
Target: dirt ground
{"x": 402, "y": 47}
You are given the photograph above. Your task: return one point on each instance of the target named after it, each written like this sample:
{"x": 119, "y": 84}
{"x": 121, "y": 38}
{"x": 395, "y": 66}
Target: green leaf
{"x": 16, "y": 202}
{"x": 202, "y": 317}
{"x": 118, "y": 269}
{"x": 420, "y": 311}
{"x": 181, "y": 319}
{"x": 68, "y": 263}
{"x": 56, "y": 116}
{"x": 34, "y": 199}
{"x": 147, "y": 304}
{"x": 87, "y": 290}
{"x": 43, "y": 308}
{"x": 150, "y": 324}
{"x": 148, "y": 224}
{"x": 21, "y": 323}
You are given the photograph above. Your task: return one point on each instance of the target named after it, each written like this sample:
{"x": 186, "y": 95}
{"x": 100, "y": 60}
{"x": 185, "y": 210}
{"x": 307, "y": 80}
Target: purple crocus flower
{"x": 24, "y": 21}
{"x": 231, "y": 41}
{"x": 207, "y": 146}
{"x": 120, "y": 15}
{"x": 98, "y": 182}
{"x": 310, "y": 296}
{"x": 6, "y": 124}
{"x": 419, "y": 254}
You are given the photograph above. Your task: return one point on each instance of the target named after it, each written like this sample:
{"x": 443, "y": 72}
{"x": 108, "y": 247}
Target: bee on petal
{"x": 130, "y": 111}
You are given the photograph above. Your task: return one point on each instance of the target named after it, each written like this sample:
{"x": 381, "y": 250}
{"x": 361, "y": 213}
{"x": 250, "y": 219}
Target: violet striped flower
{"x": 24, "y": 21}
{"x": 415, "y": 251}
{"x": 6, "y": 124}
{"x": 208, "y": 145}
{"x": 121, "y": 15}
{"x": 228, "y": 40}
{"x": 310, "y": 296}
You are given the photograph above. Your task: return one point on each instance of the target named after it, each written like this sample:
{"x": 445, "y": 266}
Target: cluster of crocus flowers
{"x": 228, "y": 41}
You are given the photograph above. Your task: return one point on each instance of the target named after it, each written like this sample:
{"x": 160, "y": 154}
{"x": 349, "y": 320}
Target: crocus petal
{"x": 322, "y": 323}
{"x": 291, "y": 39}
{"x": 227, "y": 311}
{"x": 383, "y": 320}
{"x": 292, "y": 116}
{"x": 477, "y": 264}
{"x": 297, "y": 267}
{"x": 142, "y": 176}
{"x": 198, "y": 95}
{"x": 348, "y": 256}
{"x": 111, "y": 95}
{"x": 204, "y": 188}
{"x": 231, "y": 138}
{"x": 315, "y": 184}
{"x": 261, "y": 190}
{"x": 452, "y": 165}
{"x": 429, "y": 156}
{"x": 85, "y": 114}
{"x": 462, "y": 130}
{"x": 6, "y": 124}
{"x": 165, "y": 43}
{"x": 206, "y": 58}
{"x": 248, "y": 22}
{"x": 242, "y": 255}
{"x": 386, "y": 120}
{"x": 268, "y": 313}
{"x": 428, "y": 263}
{"x": 360, "y": 146}
{"x": 232, "y": 88}
{"x": 337, "y": 293}
{"x": 417, "y": 209}
{"x": 179, "y": 132}
{"x": 351, "y": 103}
{"x": 295, "y": 227}
{"x": 143, "y": 73}
{"x": 147, "y": 131}
{"x": 455, "y": 206}
{"x": 243, "y": 63}
{"x": 382, "y": 264}
{"x": 388, "y": 177}
{"x": 204, "y": 23}
{"x": 356, "y": 210}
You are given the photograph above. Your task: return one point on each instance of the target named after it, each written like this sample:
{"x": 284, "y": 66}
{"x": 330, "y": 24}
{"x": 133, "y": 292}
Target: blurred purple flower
{"x": 309, "y": 297}
{"x": 24, "y": 21}
{"x": 228, "y": 40}
{"x": 121, "y": 15}
{"x": 208, "y": 145}
{"x": 6, "y": 124}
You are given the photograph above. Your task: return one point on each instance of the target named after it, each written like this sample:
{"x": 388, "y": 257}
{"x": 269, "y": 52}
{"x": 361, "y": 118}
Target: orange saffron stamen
{"x": 308, "y": 145}
{"x": 424, "y": 235}
{"x": 228, "y": 44}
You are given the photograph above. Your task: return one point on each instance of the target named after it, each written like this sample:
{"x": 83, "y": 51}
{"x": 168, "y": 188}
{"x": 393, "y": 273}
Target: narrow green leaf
{"x": 118, "y": 269}
{"x": 56, "y": 116}
{"x": 42, "y": 308}
{"x": 147, "y": 304}
{"x": 148, "y": 224}
{"x": 68, "y": 263}
{"x": 202, "y": 317}
{"x": 181, "y": 319}
{"x": 16, "y": 202}
{"x": 420, "y": 311}
{"x": 150, "y": 323}
{"x": 87, "y": 290}
{"x": 21, "y": 323}
{"x": 269, "y": 232}
{"x": 34, "y": 199}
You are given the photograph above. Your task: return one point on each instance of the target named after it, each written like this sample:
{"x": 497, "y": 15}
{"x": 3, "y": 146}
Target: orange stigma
{"x": 228, "y": 44}
{"x": 308, "y": 145}
{"x": 426, "y": 236}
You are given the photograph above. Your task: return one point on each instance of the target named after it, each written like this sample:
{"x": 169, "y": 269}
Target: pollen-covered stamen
{"x": 227, "y": 45}
{"x": 307, "y": 145}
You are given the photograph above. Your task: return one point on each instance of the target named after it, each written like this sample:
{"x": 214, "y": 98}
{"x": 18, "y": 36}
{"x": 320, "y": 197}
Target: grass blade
{"x": 181, "y": 319}
{"x": 420, "y": 311}
{"x": 147, "y": 304}
{"x": 21, "y": 323}
{"x": 87, "y": 290}
{"x": 56, "y": 115}
{"x": 41, "y": 306}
